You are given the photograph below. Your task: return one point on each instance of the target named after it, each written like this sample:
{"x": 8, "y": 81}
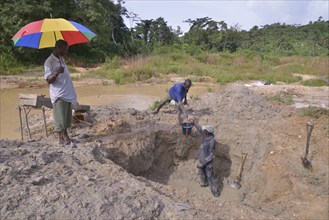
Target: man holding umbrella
{"x": 62, "y": 93}
{"x": 43, "y": 34}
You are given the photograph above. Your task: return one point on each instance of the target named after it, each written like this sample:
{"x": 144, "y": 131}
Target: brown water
{"x": 129, "y": 96}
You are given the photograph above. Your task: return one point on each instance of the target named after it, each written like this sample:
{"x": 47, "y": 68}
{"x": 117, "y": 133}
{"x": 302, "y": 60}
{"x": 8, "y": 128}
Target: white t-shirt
{"x": 62, "y": 87}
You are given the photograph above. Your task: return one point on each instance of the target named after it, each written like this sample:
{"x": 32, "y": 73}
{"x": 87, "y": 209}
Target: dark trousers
{"x": 207, "y": 177}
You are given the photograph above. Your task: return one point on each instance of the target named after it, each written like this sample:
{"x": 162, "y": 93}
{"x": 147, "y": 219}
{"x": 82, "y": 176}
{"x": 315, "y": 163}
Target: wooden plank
{"x": 45, "y": 102}
{"x": 82, "y": 108}
{"x": 28, "y": 96}
{"x": 28, "y": 99}
{"x": 34, "y": 100}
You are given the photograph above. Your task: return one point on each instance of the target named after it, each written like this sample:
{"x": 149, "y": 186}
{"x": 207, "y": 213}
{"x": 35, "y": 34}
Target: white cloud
{"x": 316, "y": 9}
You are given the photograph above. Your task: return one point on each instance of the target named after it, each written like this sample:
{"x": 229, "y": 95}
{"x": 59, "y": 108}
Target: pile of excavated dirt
{"x": 131, "y": 164}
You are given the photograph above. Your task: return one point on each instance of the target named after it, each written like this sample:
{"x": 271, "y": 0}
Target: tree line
{"x": 114, "y": 38}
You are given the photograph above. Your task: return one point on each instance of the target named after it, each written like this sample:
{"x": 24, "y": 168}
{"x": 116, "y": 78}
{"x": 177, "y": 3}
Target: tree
{"x": 154, "y": 31}
{"x": 208, "y": 34}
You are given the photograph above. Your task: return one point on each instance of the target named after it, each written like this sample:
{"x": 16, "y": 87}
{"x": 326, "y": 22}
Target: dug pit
{"x": 163, "y": 155}
{"x": 161, "y": 162}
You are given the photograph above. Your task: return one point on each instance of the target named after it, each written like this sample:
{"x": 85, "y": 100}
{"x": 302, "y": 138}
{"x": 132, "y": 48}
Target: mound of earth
{"x": 131, "y": 164}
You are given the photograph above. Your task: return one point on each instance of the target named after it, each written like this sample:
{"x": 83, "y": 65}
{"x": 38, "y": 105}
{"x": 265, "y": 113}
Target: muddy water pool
{"x": 128, "y": 96}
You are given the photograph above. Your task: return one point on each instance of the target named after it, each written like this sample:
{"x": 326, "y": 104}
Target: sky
{"x": 244, "y": 13}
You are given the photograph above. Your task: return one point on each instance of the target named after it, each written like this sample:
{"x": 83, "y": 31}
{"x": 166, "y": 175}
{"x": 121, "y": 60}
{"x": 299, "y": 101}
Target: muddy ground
{"x": 131, "y": 164}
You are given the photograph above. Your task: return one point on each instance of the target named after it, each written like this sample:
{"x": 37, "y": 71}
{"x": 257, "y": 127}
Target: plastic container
{"x": 187, "y": 128}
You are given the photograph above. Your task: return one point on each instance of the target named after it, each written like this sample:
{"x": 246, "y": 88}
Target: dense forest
{"x": 115, "y": 39}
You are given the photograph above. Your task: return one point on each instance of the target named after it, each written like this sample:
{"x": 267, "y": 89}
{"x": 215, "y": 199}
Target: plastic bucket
{"x": 187, "y": 128}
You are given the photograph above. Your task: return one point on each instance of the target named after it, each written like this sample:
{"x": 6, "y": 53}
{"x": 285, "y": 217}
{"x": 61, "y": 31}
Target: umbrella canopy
{"x": 45, "y": 33}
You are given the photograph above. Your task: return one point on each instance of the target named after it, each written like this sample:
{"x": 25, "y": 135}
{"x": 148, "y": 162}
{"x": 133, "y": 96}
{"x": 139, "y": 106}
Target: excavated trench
{"x": 161, "y": 155}
{"x": 154, "y": 148}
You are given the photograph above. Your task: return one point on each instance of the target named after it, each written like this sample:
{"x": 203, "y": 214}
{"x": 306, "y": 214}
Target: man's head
{"x": 61, "y": 47}
{"x": 208, "y": 129}
{"x": 187, "y": 84}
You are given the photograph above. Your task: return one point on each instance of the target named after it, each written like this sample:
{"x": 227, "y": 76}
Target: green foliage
{"x": 112, "y": 63}
{"x": 118, "y": 77}
{"x": 9, "y": 65}
{"x": 314, "y": 112}
{"x": 225, "y": 67}
{"x": 281, "y": 99}
{"x": 315, "y": 83}
{"x": 100, "y": 72}
{"x": 288, "y": 39}
{"x": 103, "y": 17}
{"x": 209, "y": 89}
{"x": 154, "y": 32}
{"x": 75, "y": 78}
{"x": 192, "y": 49}
{"x": 72, "y": 69}
{"x": 195, "y": 97}
{"x": 209, "y": 48}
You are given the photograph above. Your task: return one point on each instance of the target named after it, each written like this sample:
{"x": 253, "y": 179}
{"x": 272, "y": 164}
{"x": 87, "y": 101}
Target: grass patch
{"x": 225, "y": 67}
{"x": 118, "y": 77}
{"x": 209, "y": 89}
{"x": 281, "y": 99}
{"x": 9, "y": 65}
{"x": 72, "y": 69}
{"x": 315, "y": 83}
{"x": 195, "y": 97}
{"x": 314, "y": 112}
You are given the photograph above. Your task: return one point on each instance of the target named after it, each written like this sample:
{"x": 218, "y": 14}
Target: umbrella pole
{"x": 56, "y": 48}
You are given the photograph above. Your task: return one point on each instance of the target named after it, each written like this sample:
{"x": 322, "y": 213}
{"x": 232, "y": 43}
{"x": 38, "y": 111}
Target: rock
{"x": 39, "y": 180}
{"x": 182, "y": 206}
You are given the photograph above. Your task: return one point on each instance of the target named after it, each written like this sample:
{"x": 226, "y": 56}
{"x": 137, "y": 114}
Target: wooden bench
{"x": 38, "y": 101}
{"x": 32, "y": 101}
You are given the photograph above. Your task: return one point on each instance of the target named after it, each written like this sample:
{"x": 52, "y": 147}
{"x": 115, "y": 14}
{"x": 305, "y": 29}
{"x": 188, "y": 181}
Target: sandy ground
{"x": 132, "y": 164}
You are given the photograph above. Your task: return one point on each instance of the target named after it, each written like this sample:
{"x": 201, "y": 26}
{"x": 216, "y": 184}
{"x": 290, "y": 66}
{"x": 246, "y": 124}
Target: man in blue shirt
{"x": 178, "y": 93}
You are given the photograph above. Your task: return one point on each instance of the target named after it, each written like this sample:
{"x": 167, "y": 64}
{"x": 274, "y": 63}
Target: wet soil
{"x": 132, "y": 164}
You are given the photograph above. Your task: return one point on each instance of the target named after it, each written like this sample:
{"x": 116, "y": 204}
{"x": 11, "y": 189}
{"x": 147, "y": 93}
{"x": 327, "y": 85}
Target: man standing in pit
{"x": 206, "y": 156}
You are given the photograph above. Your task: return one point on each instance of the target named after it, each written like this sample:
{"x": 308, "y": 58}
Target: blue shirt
{"x": 177, "y": 92}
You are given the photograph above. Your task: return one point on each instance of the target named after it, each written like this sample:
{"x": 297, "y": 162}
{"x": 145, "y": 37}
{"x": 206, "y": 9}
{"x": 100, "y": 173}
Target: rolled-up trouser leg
{"x": 203, "y": 176}
{"x": 180, "y": 119}
{"x": 165, "y": 100}
{"x": 62, "y": 111}
{"x": 211, "y": 178}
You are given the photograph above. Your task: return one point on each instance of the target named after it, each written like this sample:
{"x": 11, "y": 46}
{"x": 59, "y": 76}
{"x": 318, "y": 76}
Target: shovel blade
{"x": 306, "y": 163}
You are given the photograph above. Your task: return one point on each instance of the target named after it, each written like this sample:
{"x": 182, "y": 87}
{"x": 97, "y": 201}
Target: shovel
{"x": 307, "y": 163}
{"x": 236, "y": 183}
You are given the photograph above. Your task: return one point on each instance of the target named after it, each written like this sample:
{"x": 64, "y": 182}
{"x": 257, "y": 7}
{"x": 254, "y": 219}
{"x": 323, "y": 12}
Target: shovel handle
{"x": 309, "y": 128}
{"x": 243, "y": 160}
